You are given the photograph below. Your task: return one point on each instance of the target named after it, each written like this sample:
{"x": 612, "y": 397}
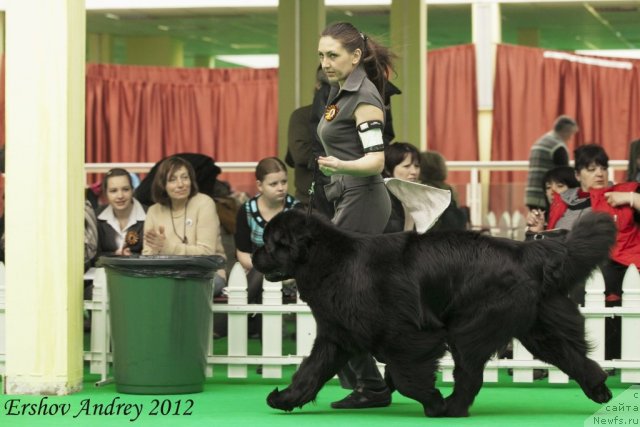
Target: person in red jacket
{"x": 597, "y": 194}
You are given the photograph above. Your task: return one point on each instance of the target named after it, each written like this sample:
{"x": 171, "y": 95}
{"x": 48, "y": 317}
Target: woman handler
{"x": 351, "y": 134}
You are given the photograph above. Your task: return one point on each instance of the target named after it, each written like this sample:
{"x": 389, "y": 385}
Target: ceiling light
{"x": 591, "y": 45}
{"x": 251, "y": 61}
{"x": 357, "y": 2}
{"x": 249, "y": 46}
{"x": 173, "y": 4}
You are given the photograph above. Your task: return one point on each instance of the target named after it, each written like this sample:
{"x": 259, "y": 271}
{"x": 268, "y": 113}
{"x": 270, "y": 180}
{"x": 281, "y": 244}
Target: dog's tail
{"x": 586, "y": 247}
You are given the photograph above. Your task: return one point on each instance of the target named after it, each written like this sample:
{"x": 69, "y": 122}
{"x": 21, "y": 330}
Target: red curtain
{"x": 452, "y": 107}
{"x": 142, "y": 114}
{"x": 531, "y": 90}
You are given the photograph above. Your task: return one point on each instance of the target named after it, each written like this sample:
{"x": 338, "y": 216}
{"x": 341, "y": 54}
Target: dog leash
{"x": 312, "y": 188}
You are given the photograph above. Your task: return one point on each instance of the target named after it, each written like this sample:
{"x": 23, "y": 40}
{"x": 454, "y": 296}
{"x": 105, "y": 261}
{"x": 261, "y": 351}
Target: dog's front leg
{"x": 323, "y": 363}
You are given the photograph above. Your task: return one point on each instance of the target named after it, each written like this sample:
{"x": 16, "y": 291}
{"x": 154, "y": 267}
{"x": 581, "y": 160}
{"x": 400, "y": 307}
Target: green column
{"x": 203, "y": 61}
{"x": 154, "y": 51}
{"x": 300, "y": 23}
{"x": 99, "y": 48}
{"x": 409, "y": 42}
{"x": 2, "y": 20}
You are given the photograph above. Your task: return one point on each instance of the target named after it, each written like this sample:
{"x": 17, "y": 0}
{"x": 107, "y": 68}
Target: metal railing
{"x": 477, "y": 185}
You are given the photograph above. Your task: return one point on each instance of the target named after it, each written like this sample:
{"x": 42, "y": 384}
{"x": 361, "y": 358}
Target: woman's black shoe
{"x": 364, "y": 398}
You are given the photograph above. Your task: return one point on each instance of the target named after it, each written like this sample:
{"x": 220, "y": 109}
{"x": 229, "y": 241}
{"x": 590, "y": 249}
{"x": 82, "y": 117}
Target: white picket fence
{"x": 272, "y": 360}
{"x": 511, "y": 225}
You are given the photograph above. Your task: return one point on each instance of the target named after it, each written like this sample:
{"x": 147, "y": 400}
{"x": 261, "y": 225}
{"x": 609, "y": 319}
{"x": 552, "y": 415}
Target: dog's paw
{"x": 600, "y": 393}
{"x": 453, "y": 409}
{"x": 595, "y": 386}
{"x": 435, "y": 408}
{"x": 276, "y": 401}
{"x": 279, "y": 400}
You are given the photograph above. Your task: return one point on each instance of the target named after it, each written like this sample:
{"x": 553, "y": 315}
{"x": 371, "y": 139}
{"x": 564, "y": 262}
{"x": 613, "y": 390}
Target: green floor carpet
{"x": 241, "y": 402}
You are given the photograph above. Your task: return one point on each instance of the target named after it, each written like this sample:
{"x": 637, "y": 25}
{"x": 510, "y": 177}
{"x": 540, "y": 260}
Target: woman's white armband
{"x": 370, "y": 133}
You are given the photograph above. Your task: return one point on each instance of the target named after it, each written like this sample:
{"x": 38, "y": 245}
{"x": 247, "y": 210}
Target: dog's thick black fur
{"x": 406, "y": 298}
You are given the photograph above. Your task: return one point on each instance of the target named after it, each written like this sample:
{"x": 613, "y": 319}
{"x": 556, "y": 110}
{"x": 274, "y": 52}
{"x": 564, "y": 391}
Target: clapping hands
{"x": 155, "y": 239}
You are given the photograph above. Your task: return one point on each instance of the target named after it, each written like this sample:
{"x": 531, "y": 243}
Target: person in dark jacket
{"x": 299, "y": 154}
{"x": 549, "y": 151}
{"x": 633, "y": 169}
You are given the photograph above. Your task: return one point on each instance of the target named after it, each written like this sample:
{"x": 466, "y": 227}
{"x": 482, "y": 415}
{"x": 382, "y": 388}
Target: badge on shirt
{"x": 131, "y": 238}
{"x": 330, "y": 112}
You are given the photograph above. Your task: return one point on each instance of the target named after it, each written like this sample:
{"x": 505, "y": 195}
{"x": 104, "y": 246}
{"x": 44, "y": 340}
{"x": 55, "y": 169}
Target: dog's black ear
{"x": 300, "y": 248}
{"x": 290, "y": 230}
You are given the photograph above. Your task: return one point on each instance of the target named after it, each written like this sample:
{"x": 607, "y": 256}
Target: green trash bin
{"x": 160, "y": 310}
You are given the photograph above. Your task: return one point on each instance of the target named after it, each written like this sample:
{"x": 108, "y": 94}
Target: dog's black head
{"x": 287, "y": 241}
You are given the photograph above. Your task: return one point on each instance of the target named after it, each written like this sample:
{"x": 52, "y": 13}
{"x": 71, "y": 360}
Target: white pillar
{"x": 486, "y": 30}
{"x": 487, "y": 33}
{"x": 45, "y": 80}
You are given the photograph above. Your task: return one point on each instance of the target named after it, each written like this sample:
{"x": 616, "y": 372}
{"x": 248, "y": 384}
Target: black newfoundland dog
{"x": 406, "y": 298}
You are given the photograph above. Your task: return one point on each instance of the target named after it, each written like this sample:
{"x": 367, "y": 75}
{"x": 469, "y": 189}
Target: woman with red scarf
{"x": 595, "y": 193}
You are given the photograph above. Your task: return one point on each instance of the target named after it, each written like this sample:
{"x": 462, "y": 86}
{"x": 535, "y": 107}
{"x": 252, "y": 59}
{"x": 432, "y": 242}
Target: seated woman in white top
{"x": 182, "y": 221}
{"x": 121, "y": 221}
